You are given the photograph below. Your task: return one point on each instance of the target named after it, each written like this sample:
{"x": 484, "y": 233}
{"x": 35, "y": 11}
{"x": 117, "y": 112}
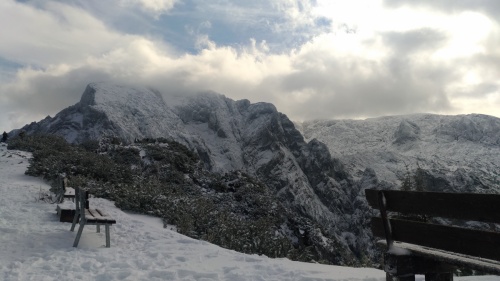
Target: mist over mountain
{"x": 319, "y": 174}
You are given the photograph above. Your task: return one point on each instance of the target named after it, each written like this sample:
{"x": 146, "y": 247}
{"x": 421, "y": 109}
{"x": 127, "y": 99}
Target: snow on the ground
{"x": 34, "y": 245}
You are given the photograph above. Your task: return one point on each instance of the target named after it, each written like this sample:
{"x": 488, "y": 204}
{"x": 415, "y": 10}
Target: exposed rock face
{"x": 406, "y": 132}
{"x": 258, "y": 139}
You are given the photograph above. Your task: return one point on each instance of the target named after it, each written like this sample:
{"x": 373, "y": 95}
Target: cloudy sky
{"x": 311, "y": 58}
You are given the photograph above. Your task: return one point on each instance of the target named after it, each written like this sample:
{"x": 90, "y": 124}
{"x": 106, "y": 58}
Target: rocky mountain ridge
{"x": 320, "y": 177}
{"x": 227, "y": 135}
{"x": 458, "y": 153}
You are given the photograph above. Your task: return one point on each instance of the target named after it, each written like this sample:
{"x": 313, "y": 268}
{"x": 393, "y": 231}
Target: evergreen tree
{"x": 5, "y": 136}
{"x": 407, "y": 181}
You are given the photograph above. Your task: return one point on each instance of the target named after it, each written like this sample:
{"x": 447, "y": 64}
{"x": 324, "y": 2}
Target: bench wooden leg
{"x": 98, "y": 228}
{"x": 443, "y": 276}
{"x": 75, "y": 221}
{"x": 78, "y": 235}
{"x": 409, "y": 277}
{"x": 108, "y": 238}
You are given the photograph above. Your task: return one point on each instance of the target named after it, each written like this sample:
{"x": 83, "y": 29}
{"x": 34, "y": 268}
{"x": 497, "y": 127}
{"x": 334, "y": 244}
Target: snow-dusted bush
{"x": 165, "y": 179}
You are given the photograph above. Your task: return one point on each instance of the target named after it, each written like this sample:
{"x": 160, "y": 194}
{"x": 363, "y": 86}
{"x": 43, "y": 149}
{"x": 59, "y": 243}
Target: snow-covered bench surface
{"x": 69, "y": 192}
{"x": 400, "y": 248}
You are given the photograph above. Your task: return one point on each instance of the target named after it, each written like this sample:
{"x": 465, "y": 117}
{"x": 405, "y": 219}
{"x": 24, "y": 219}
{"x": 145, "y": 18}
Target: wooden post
{"x": 77, "y": 208}
{"x": 383, "y": 213}
{"x": 78, "y": 235}
{"x": 442, "y": 276}
{"x": 86, "y": 196}
{"x": 64, "y": 183}
{"x": 108, "y": 238}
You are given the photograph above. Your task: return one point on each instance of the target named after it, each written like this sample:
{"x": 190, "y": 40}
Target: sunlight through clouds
{"x": 312, "y": 59}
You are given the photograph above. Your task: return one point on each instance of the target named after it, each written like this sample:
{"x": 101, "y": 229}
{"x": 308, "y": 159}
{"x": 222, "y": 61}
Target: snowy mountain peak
{"x": 105, "y": 93}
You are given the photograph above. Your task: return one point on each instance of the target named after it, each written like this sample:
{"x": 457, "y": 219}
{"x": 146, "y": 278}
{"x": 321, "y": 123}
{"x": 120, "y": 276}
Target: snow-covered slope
{"x": 458, "y": 153}
{"x": 34, "y": 245}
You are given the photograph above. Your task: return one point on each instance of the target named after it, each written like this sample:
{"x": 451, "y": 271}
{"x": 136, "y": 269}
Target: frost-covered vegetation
{"x": 163, "y": 178}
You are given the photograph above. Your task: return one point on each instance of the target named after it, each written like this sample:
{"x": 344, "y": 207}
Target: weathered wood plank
{"x": 98, "y": 217}
{"x": 484, "y": 244}
{"x": 455, "y": 259}
{"x": 465, "y": 206}
{"x": 89, "y": 217}
{"x": 65, "y": 214}
{"x": 105, "y": 216}
{"x": 446, "y": 276}
{"x": 401, "y": 265}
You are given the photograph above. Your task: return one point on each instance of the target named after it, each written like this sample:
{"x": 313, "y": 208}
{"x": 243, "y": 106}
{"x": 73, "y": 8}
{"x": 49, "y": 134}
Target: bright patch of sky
{"x": 311, "y": 58}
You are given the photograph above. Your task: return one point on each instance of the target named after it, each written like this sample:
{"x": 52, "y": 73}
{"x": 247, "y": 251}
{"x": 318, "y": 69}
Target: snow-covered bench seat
{"x": 417, "y": 246}
{"x": 66, "y": 211}
{"x": 86, "y": 216}
{"x": 64, "y": 191}
{"x": 69, "y": 192}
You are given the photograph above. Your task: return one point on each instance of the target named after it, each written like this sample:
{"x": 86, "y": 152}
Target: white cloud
{"x": 153, "y": 7}
{"x": 55, "y": 34}
{"x": 375, "y": 71}
{"x": 299, "y": 12}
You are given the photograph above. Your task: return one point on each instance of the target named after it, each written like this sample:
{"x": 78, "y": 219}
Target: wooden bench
{"x": 65, "y": 212}
{"x": 64, "y": 191}
{"x": 86, "y": 216}
{"x": 416, "y": 246}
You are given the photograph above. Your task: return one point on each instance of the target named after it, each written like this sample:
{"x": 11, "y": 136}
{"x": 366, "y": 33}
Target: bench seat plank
{"x": 94, "y": 216}
{"x": 106, "y": 216}
{"x": 69, "y": 192}
{"x": 456, "y": 259}
{"x": 103, "y": 213}
{"x": 479, "y": 243}
{"x": 464, "y": 206}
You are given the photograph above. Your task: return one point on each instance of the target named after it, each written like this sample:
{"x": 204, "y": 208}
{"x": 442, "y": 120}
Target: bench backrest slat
{"x": 81, "y": 201}
{"x": 465, "y": 206}
{"x": 478, "y": 243}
